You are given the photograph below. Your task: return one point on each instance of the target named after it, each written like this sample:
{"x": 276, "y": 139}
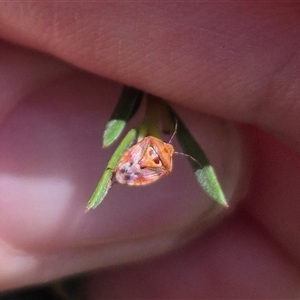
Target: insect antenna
{"x": 181, "y": 153}
{"x": 174, "y": 132}
{"x": 191, "y": 157}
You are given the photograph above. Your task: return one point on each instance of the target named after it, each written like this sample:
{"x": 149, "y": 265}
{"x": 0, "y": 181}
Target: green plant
{"x": 160, "y": 117}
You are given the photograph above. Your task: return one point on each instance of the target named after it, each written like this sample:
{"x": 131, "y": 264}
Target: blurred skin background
{"x": 231, "y": 70}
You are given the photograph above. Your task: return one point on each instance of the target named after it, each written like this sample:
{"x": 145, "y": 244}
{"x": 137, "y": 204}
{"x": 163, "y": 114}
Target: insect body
{"x": 145, "y": 162}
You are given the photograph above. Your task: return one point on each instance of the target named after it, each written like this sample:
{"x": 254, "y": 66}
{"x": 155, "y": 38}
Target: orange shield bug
{"x": 145, "y": 162}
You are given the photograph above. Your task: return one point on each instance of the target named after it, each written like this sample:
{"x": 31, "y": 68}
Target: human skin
{"x": 238, "y": 62}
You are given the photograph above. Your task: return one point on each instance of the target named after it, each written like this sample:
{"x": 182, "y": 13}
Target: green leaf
{"x": 127, "y": 106}
{"x": 201, "y": 166}
{"x": 158, "y": 112}
{"x": 105, "y": 181}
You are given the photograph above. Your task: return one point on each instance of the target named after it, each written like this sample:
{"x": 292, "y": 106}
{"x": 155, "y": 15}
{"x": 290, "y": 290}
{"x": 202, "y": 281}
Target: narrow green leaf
{"x": 105, "y": 181}
{"x": 208, "y": 180}
{"x": 204, "y": 172}
{"x": 127, "y": 106}
{"x": 159, "y": 112}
